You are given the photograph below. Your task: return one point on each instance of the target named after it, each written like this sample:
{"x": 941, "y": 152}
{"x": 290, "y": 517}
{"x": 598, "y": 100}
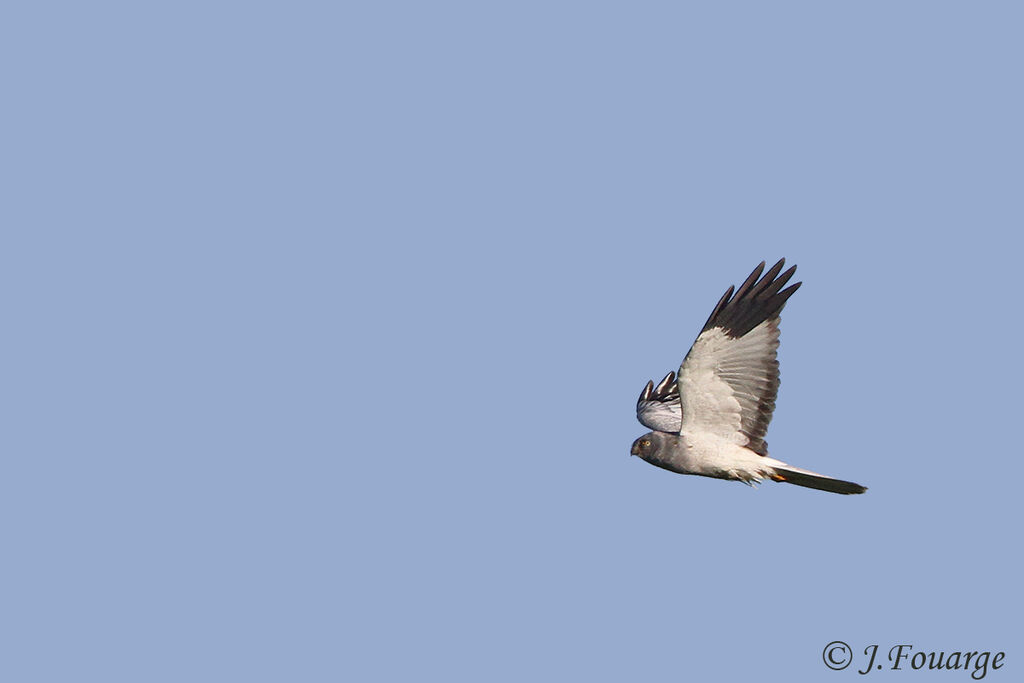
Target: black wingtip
{"x": 758, "y": 299}
{"x": 750, "y": 281}
{"x": 718, "y": 307}
{"x": 646, "y": 393}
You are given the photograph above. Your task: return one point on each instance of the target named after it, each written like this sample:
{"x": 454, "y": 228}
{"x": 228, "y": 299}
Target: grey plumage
{"x": 710, "y": 419}
{"x": 658, "y": 406}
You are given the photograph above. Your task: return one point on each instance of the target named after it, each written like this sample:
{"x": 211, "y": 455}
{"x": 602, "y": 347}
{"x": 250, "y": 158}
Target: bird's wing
{"x": 730, "y": 378}
{"x": 658, "y": 407}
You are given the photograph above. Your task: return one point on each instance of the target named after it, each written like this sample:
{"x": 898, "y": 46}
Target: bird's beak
{"x": 635, "y": 450}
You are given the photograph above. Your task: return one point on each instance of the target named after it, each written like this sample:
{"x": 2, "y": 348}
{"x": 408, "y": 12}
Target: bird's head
{"x": 644, "y": 445}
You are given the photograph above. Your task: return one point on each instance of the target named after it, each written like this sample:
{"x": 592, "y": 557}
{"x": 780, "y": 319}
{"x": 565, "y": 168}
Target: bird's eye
{"x": 646, "y": 443}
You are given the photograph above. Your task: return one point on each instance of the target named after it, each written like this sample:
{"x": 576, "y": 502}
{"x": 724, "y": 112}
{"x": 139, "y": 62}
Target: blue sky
{"x": 324, "y": 325}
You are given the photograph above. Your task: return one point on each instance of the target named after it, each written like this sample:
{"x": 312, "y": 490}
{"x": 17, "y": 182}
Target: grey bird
{"x": 711, "y": 418}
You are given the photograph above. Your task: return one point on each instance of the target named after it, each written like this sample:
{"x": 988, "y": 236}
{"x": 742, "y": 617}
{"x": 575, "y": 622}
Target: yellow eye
{"x": 647, "y": 442}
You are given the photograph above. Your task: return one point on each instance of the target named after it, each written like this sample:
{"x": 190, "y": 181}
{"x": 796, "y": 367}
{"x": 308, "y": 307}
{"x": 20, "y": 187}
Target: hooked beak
{"x": 635, "y": 450}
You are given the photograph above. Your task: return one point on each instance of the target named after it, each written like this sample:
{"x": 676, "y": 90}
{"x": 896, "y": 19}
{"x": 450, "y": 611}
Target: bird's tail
{"x": 795, "y": 475}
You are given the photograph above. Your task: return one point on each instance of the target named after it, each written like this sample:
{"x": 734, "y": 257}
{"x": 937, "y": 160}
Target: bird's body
{"x": 711, "y": 419}
{"x": 707, "y": 455}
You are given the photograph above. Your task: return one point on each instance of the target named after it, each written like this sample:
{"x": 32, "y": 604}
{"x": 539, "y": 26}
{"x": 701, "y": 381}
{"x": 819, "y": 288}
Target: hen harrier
{"x": 711, "y": 419}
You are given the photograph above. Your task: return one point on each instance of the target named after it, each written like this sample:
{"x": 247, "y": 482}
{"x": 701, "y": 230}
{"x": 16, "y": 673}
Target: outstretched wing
{"x": 730, "y": 378}
{"x": 658, "y": 407}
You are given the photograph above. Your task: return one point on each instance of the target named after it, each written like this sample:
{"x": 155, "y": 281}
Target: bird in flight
{"x": 711, "y": 418}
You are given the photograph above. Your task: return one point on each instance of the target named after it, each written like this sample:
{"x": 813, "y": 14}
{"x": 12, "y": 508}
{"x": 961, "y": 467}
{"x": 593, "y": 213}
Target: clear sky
{"x": 323, "y": 325}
